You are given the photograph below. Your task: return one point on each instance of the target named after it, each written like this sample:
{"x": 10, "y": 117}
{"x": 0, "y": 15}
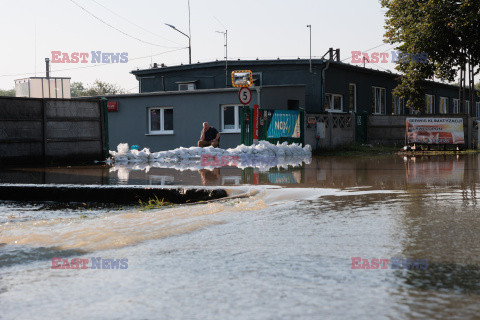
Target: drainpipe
{"x": 327, "y": 65}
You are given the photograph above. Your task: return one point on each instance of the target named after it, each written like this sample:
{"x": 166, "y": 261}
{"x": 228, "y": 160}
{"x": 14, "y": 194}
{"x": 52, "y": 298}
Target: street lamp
{"x": 310, "y": 27}
{"x": 226, "y": 55}
{"x": 189, "y": 42}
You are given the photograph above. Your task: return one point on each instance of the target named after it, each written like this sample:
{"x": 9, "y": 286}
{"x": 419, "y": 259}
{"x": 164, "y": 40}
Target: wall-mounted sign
{"x": 284, "y": 124}
{"x": 242, "y": 78}
{"x": 435, "y": 131}
{"x": 112, "y": 106}
{"x": 311, "y": 120}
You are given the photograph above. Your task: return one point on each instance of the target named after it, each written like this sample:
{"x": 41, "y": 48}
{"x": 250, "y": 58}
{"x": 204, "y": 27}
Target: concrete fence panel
{"x": 43, "y": 131}
{"x": 329, "y": 130}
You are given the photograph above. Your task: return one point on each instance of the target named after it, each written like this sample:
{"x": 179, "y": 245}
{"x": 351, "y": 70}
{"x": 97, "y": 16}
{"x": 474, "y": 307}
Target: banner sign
{"x": 284, "y": 124}
{"x": 435, "y": 131}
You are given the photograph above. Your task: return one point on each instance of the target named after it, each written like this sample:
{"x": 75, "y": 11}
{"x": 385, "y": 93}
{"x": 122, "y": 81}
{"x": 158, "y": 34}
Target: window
{"x": 161, "y": 180}
{"x": 230, "y": 118}
{"x": 398, "y": 105}
{"x": 378, "y": 100}
{"x": 429, "y": 103}
{"x": 352, "y": 91}
{"x": 257, "y": 79}
{"x": 160, "y": 120}
{"x": 443, "y": 105}
{"x": 477, "y": 113}
{"x": 186, "y": 86}
{"x": 467, "y": 107}
{"x": 293, "y": 104}
{"x": 456, "y": 108}
{"x": 333, "y": 102}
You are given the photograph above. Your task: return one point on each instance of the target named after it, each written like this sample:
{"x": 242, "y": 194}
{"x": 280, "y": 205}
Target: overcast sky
{"x": 31, "y": 29}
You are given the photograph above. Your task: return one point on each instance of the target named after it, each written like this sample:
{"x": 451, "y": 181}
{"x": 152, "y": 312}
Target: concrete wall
{"x": 190, "y": 110}
{"x": 51, "y": 130}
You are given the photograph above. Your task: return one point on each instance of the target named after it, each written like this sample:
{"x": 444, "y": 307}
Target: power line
{"x": 218, "y": 20}
{"x": 366, "y": 51}
{"x": 133, "y": 23}
{"x": 92, "y": 66}
{"x": 115, "y": 28}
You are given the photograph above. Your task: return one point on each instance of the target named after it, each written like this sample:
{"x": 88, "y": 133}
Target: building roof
{"x": 184, "y": 92}
{"x": 245, "y": 64}
{"x": 25, "y": 79}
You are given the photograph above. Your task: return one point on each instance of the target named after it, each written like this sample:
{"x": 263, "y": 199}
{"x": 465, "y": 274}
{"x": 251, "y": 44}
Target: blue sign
{"x": 282, "y": 178}
{"x": 284, "y": 124}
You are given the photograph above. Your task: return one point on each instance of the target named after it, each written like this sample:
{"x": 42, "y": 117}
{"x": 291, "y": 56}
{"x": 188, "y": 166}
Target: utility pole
{"x": 189, "y": 35}
{"x": 310, "y": 27}
{"x": 47, "y": 66}
{"x": 226, "y": 55}
{"x": 189, "y": 42}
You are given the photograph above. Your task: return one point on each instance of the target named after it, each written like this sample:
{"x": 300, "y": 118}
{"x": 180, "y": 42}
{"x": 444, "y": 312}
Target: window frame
{"x": 401, "y": 107}
{"x": 374, "y": 100}
{"x": 456, "y": 106}
{"x": 238, "y": 128}
{"x": 331, "y": 100}
{"x": 354, "y": 109}
{"x": 443, "y": 99}
{"x": 427, "y": 96}
{"x": 162, "y": 130}
{"x": 191, "y": 86}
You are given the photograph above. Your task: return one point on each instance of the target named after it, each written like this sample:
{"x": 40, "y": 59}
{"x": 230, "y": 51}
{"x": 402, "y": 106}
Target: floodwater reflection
{"x": 380, "y": 172}
{"x": 297, "y": 240}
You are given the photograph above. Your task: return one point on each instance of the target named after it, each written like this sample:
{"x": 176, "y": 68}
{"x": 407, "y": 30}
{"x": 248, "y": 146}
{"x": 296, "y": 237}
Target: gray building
{"x": 332, "y": 86}
{"x": 174, "y": 101}
{"x": 171, "y": 119}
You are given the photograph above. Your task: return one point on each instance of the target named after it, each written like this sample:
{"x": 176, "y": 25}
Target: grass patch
{"x": 153, "y": 204}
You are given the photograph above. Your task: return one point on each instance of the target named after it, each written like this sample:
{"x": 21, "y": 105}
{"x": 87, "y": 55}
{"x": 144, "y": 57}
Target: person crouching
{"x": 209, "y": 136}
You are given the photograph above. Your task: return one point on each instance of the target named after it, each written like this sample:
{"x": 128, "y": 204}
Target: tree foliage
{"x": 98, "y": 88}
{"x": 7, "y": 93}
{"x": 447, "y": 30}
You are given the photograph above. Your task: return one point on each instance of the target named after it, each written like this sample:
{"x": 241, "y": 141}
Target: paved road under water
{"x": 284, "y": 253}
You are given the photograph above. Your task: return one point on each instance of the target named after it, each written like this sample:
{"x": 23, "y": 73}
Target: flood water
{"x": 285, "y": 252}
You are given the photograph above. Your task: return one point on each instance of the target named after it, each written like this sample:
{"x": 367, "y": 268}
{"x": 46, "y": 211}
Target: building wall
{"x": 294, "y": 72}
{"x": 214, "y": 77}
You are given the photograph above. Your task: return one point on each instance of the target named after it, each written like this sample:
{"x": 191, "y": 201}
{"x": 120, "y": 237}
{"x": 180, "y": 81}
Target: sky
{"x": 32, "y": 29}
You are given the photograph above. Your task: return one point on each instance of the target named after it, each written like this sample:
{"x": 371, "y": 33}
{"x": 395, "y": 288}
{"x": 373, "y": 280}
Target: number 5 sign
{"x": 245, "y": 95}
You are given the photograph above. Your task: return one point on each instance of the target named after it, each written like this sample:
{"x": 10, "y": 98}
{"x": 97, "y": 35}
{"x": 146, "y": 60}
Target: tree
{"x": 77, "y": 89}
{"x": 98, "y": 88}
{"x": 448, "y": 31}
{"x": 7, "y": 93}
